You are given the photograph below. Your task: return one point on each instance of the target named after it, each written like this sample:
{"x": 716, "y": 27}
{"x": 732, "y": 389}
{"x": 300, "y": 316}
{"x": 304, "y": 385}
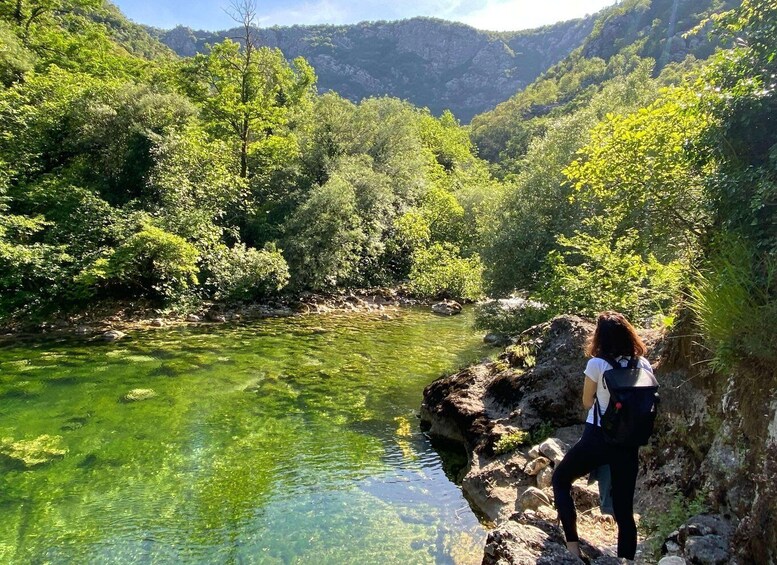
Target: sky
{"x": 495, "y": 15}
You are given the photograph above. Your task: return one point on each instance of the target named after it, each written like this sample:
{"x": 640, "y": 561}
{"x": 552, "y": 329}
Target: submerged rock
{"x": 28, "y": 454}
{"x": 138, "y": 394}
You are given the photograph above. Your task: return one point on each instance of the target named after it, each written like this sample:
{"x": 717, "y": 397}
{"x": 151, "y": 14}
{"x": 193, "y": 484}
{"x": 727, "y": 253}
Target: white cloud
{"x": 510, "y": 15}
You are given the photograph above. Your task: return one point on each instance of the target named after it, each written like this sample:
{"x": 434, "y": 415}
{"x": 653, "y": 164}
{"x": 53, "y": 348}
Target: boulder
{"x": 497, "y": 340}
{"x": 157, "y": 322}
{"x": 672, "y": 560}
{"x": 113, "y": 335}
{"x": 585, "y": 496}
{"x": 704, "y": 539}
{"x": 446, "y": 308}
{"x": 528, "y": 541}
{"x": 553, "y": 449}
{"x": 545, "y": 478}
{"x": 536, "y": 465}
{"x": 532, "y": 498}
{"x": 193, "y": 318}
{"x": 708, "y": 550}
{"x": 493, "y": 486}
{"x": 536, "y": 382}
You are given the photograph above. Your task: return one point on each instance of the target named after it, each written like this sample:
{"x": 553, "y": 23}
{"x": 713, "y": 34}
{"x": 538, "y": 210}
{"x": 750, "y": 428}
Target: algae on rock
{"x": 32, "y": 452}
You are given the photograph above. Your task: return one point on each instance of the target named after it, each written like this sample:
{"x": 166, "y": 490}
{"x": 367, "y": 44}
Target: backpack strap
{"x": 597, "y": 411}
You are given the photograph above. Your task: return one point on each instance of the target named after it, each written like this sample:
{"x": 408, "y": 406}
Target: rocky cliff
{"x": 702, "y": 449}
{"x": 432, "y": 63}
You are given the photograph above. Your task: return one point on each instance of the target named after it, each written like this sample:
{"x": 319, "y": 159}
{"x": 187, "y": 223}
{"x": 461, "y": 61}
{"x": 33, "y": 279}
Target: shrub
{"x": 244, "y": 273}
{"x": 154, "y": 263}
{"x": 510, "y": 316}
{"x": 439, "y": 270}
{"x": 734, "y": 305}
{"x": 511, "y": 441}
{"x": 658, "y": 524}
{"x": 595, "y": 273}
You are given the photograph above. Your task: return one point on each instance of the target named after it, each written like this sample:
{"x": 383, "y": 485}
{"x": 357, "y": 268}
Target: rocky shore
{"x": 516, "y": 416}
{"x": 112, "y": 321}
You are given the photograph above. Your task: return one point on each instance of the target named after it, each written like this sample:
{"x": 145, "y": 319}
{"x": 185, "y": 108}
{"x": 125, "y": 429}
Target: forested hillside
{"x": 431, "y": 63}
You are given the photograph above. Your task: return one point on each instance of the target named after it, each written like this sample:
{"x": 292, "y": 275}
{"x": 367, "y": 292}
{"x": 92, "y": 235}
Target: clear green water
{"x": 274, "y": 442}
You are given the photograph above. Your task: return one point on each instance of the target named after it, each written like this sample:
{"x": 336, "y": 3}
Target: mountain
{"x": 430, "y": 62}
{"x": 622, "y": 36}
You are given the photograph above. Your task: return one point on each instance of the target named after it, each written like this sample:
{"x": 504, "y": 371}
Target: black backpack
{"x": 631, "y": 413}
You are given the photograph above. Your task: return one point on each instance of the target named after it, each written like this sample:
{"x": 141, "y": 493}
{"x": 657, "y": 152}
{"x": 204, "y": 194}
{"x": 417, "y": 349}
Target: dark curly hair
{"x": 615, "y": 336}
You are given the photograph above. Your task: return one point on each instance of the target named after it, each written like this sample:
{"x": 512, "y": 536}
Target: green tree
{"x": 248, "y": 95}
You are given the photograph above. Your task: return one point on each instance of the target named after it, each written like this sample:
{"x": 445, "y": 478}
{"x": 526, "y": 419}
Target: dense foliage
{"x": 127, "y": 173}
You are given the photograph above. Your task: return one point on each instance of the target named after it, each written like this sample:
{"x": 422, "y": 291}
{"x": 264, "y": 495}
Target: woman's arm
{"x": 589, "y": 393}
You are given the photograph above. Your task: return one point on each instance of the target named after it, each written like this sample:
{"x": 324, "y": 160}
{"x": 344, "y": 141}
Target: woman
{"x": 614, "y": 338}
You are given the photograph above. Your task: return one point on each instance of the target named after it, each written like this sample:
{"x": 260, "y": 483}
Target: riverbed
{"x": 291, "y": 440}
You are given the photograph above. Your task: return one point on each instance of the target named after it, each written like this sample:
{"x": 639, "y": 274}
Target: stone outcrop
{"x": 533, "y": 383}
{"x": 714, "y": 437}
{"x": 534, "y": 387}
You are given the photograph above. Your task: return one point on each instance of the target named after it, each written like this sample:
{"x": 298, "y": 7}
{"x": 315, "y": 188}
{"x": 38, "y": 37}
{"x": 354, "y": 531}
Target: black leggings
{"x": 585, "y": 456}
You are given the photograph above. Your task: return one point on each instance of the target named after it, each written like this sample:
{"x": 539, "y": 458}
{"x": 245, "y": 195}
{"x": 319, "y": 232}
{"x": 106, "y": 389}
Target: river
{"x": 290, "y": 440}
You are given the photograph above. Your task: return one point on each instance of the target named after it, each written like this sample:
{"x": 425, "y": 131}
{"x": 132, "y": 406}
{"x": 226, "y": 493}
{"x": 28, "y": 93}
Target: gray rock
{"x": 113, "y": 335}
{"x": 534, "y": 452}
{"x": 707, "y": 550}
{"x": 496, "y": 339}
{"x": 157, "y": 322}
{"x": 553, "y": 449}
{"x": 671, "y": 547}
{"x": 447, "y": 308}
{"x": 585, "y": 496}
{"x": 524, "y": 540}
{"x": 545, "y": 478}
{"x": 532, "y": 498}
{"x": 536, "y": 465}
{"x": 83, "y": 330}
{"x": 192, "y": 318}
{"x": 672, "y": 560}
